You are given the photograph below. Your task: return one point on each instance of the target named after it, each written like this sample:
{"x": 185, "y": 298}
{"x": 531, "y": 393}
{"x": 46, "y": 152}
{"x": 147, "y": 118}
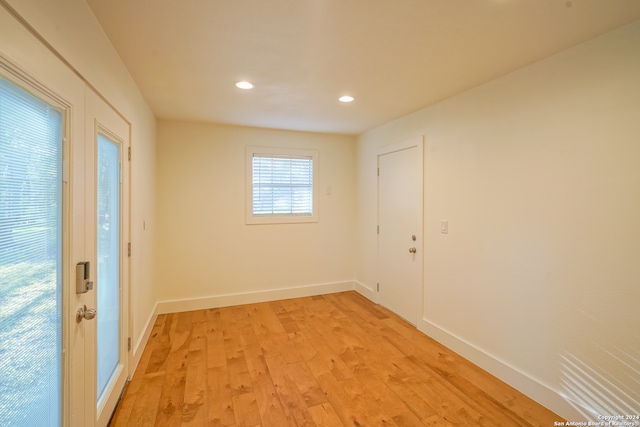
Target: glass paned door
{"x": 30, "y": 260}
{"x": 107, "y": 361}
{"x": 108, "y": 253}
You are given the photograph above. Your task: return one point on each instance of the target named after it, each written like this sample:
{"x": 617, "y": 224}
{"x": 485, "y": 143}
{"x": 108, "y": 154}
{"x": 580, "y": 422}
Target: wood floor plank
{"x": 239, "y": 376}
{"x": 234, "y": 328}
{"x": 360, "y": 398}
{"x": 272, "y": 413}
{"x": 258, "y": 369}
{"x": 325, "y": 416}
{"x": 273, "y": 337}
{"x": 194, "y": 407}
{"x": 124, "y": 411}
{"x": 288, "y": 323}
{"x": 144, "y": 412}
{"x": 171, "y": 400}
{"x": 158, "y": 345}
{"x": 407, "y": 419}
{"x": 445, "y": 403}
{"x": 220, "y": 402}
{"x": 292, "y": 399}
{"x": 416, "y": 404}
{"x": 215, "y": 339}
{"x": 247, "y": 413}
{"x": 341, "y": 402}
{"x": 157, "y": 348}
{"x": 235, "y": 324}
{"x": 382, "y": 393}
{"x": 311, "y": 392}
{"x": 327, "y": 360}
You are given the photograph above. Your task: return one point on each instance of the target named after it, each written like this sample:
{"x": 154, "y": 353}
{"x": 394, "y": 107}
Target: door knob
{"x": 85, "y": 313}
{"x": 412, "y": 250}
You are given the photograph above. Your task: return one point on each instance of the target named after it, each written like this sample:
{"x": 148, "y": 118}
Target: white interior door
{"x": 400, "y": 182}
{"x": 107, "y": 207}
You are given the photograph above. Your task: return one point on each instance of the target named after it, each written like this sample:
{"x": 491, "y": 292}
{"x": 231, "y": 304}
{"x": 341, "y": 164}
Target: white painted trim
{"x": 541, "y": 393}
{"x": 366, "y": 291}
{"x": 417, "y": 141}
{"x": 138, "y": 348}
{"x": 176, "y": 306}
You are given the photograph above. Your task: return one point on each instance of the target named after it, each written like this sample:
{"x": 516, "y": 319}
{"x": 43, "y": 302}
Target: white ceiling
{"x": 393, "y": 56}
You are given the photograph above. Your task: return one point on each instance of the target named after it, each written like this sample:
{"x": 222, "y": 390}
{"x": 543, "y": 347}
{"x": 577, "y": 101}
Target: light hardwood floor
{"x": 331, "y": 360}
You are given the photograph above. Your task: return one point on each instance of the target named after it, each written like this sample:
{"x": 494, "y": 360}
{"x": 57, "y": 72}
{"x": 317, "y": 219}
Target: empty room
{"x": 319, "y": 213}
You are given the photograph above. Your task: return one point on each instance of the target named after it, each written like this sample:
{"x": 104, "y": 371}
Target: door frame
{"x": 418, "y": 143}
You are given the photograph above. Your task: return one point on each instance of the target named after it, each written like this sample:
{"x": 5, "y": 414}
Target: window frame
{"x": 250, "y": 217}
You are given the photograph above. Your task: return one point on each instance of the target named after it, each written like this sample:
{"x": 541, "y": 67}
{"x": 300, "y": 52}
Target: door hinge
{"x": 378, "y": 287}
{"x": 129, "y": 343}
{"x": 378, "y": 171}
{"x": 65, "y": 171}
{"x": 129, "y": 153}
{"x": 129, "y": 249}
{"x": 378, "y": 230}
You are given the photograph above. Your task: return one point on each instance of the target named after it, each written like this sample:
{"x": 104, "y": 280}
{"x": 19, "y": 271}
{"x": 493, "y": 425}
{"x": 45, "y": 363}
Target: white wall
{"x": 538, "y": 174}
{"x": 207, "y": 253}
{"x": 71, "y": 29}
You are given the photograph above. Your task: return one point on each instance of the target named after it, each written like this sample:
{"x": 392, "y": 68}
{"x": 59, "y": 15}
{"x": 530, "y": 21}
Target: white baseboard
{"x": 366, "y": 291}
{"x": 534, "y": 389}
{"x": 176, "y": 306}
{"x": 138, "y": 348}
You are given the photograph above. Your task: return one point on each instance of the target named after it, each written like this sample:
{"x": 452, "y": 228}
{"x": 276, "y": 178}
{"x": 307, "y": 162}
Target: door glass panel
{"x": 30, "y": 260}
{"x": 108, "y": 284}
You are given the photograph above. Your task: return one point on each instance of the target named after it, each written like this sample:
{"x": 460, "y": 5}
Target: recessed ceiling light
{"x": 345, "y": 98}
{"x": 245, "y": 85}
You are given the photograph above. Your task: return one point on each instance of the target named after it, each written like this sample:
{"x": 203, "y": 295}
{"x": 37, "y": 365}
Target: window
{"x": 30, "y": 259}
{"x": 281, "y": 185}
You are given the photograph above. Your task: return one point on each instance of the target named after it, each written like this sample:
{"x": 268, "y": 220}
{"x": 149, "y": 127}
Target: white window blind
{"x": 30, "y": 259}
{"x": 282, "y": 185}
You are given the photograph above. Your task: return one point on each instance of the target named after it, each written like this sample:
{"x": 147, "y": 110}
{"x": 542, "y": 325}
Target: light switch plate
{"x": 444, "y": 227}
